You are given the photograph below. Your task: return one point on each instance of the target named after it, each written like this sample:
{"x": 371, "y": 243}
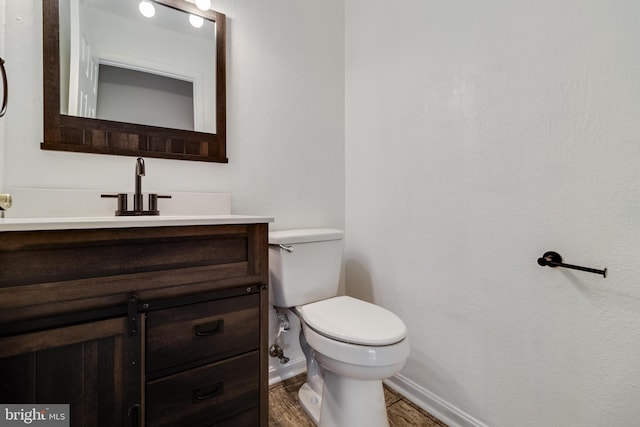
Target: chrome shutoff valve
{"x": 276, "y": 351}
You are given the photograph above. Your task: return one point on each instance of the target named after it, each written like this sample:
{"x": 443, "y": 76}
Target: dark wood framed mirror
{"x": 71, "y": 131}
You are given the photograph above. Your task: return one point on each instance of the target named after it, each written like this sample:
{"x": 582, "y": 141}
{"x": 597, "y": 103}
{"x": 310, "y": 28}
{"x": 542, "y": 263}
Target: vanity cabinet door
{"x": 93, "y": 367}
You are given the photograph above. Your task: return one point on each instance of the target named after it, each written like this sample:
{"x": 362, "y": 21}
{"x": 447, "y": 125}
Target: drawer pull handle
{"x": 210, "y": 328}
{"x": 208, "y": 392}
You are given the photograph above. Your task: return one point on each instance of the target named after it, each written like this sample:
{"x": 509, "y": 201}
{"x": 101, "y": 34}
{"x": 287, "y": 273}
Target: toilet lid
{"x": 354, "y": 321}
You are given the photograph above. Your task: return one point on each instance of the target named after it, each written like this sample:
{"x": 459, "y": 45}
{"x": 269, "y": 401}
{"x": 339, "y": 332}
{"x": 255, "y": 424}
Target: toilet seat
{"x": 353, "y": 321}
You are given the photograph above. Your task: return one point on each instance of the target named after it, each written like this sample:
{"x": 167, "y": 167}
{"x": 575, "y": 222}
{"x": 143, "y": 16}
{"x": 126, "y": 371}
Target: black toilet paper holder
{"x": 553, "y": 259}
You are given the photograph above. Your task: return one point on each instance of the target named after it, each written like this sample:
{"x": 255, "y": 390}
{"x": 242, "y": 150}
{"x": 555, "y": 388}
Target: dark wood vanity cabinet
{"x": 155, "y": 326}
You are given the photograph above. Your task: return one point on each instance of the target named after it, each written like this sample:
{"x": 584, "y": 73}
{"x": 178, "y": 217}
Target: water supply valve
{"x": 283, "y": 326}
{"x": 276, "y": 351}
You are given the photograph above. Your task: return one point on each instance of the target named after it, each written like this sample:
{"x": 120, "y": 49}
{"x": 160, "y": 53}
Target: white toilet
{"x": 350, "y": 345}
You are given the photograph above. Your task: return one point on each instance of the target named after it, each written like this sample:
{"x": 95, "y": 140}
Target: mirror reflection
{"x": 116, "y": 64}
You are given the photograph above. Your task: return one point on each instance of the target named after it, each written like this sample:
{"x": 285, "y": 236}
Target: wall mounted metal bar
{"x": 553, "y": 259}
{"x": 5, "y": 88}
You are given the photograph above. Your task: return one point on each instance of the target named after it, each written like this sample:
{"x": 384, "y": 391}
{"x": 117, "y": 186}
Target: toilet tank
{"x": 304, "y": 265}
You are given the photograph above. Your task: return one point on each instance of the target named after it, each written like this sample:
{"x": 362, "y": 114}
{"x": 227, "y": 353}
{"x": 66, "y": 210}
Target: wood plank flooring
{"x": 284, "y": 410}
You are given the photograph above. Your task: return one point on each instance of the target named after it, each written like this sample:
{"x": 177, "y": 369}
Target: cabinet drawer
{"x": 210, "y": 330}
{"x": 205, "y": 395}
{"x": 250, "y": 418}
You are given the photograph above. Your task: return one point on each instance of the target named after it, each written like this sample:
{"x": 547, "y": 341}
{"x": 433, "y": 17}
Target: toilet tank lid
{"x": 305, "y": 235}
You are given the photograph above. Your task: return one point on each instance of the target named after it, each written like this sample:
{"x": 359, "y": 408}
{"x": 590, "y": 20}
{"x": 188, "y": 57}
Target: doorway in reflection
{"x": 153, "y": 99}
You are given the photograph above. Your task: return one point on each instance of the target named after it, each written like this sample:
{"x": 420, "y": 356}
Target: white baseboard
{"x": 287, "y": 370}
{"x": 439, "y": 408}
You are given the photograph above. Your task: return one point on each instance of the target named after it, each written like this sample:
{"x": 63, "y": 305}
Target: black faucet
{"x": 137, "y": 196}
{"x": 138, "y": 208}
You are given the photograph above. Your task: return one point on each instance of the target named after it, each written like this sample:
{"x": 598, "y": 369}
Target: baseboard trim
{"x": 441, "y": 409}
{"x": 287, "y": 370}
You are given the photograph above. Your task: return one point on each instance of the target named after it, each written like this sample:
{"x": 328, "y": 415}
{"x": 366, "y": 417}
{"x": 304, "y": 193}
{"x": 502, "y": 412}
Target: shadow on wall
{"x": 358, "y": 283}
{"x": 435, "y": 387}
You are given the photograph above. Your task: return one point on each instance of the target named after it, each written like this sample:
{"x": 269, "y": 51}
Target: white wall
{"x": 478, "y": 136}
{"x": 128, "y": 95}
{"x": 285, "y": 100}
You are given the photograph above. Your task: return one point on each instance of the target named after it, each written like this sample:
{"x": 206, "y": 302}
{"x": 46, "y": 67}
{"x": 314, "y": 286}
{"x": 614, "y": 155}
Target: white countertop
{"x": 78, "y": 223}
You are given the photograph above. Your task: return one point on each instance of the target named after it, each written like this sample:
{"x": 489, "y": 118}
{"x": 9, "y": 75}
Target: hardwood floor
{"x": 284, "y": 410}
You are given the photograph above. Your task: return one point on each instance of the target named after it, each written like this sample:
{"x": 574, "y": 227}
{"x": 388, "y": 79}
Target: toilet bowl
{"x": 357, "y": 344}
{"x": 350, "y": 345}
{"x": 355, "y": 338}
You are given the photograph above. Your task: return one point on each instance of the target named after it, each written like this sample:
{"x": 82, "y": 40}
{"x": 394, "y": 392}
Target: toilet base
{"x": 350, "y": 402}
{"x": 311, "y": 402}
{"x": 345, "y": 402}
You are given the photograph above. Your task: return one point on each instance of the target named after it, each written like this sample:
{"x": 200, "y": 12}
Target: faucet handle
{"x": 153, "y": 201}
{"x": 122, "y": 201}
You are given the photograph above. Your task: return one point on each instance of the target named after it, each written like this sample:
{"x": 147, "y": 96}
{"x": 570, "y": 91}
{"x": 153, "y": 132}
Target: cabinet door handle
{"x": 134, "y": 415}
{"x": 209, "y": 328}
{"x": 208, "y": 392}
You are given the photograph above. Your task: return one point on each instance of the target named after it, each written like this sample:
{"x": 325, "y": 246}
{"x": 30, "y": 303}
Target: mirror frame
{"x": 86, "y": 135}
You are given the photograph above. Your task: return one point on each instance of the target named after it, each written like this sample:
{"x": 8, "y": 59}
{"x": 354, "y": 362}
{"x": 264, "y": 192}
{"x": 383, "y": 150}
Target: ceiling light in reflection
{"x": 196, "y": 21}
{"x": 146, "y": 8}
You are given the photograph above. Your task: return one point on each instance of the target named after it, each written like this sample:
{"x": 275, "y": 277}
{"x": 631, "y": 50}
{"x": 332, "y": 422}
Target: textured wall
{"x": 478, "y": 136}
